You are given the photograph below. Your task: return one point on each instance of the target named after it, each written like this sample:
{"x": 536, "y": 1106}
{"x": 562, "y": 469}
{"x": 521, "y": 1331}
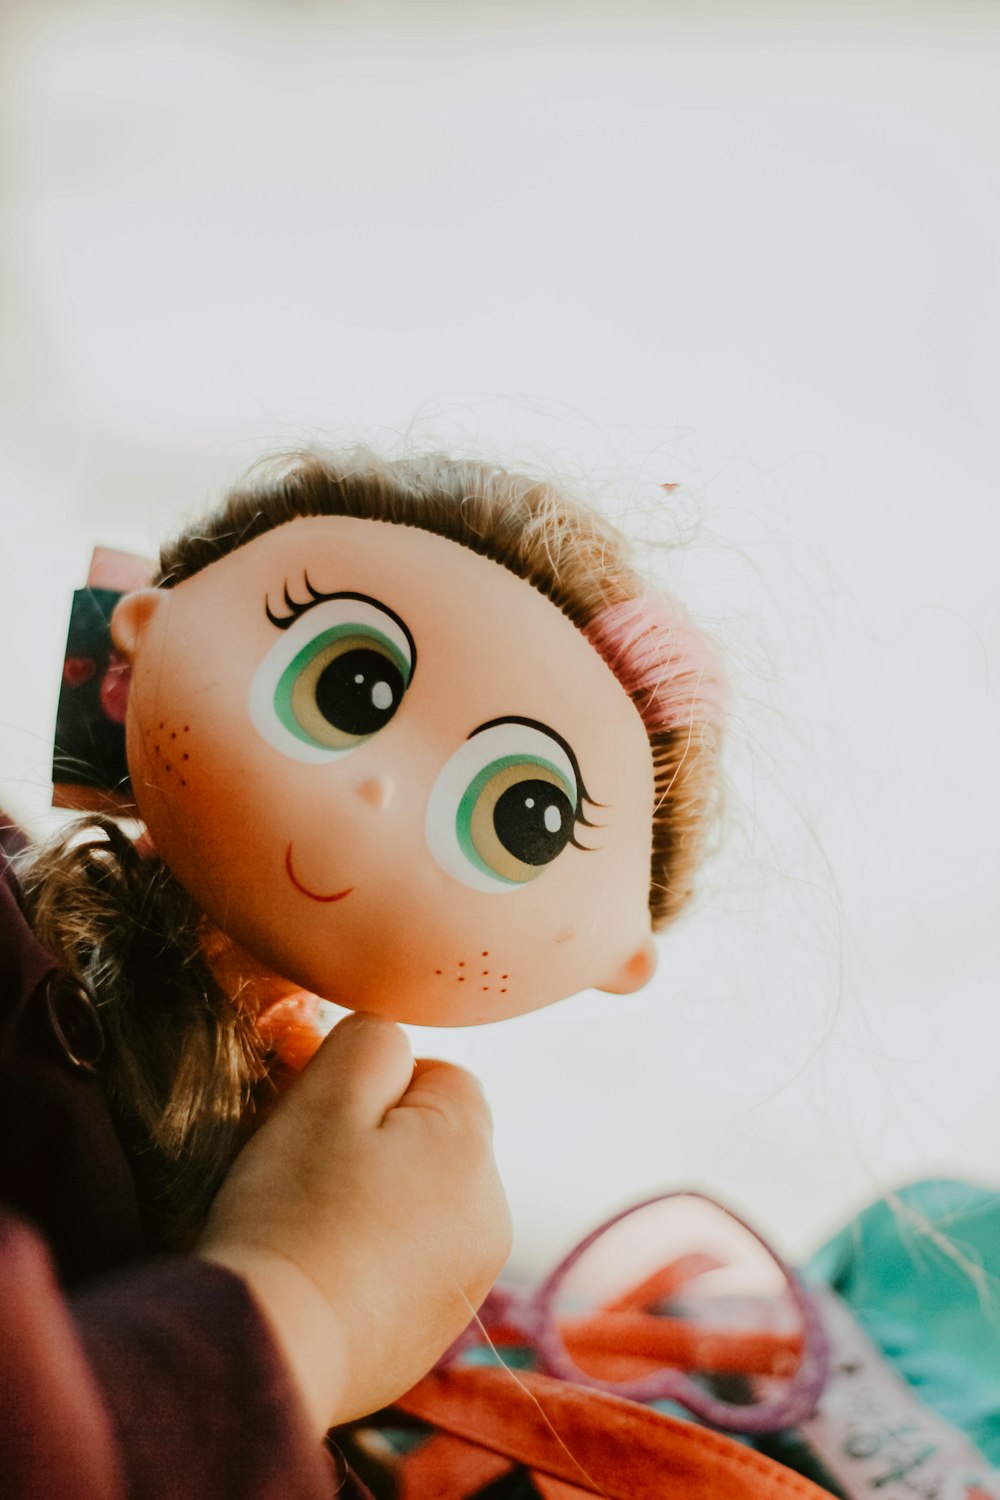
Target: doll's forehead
{"x": 460, "y": 607}
{"x": 330, "y": 549}
{"x": 427, "y": 578}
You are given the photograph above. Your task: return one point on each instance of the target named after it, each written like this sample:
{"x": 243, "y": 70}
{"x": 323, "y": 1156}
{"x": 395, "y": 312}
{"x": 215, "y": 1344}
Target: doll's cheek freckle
{"x": 467, "y": 972}
{"x": 169, "y": 754}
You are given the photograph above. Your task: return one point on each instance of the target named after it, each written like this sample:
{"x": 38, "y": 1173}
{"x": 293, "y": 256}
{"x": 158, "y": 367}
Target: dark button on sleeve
{"x": 76, "y": 1027}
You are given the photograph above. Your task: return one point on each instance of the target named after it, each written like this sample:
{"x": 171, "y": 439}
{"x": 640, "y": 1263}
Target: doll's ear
{"x": 132, "y": 615}
{"x": 637, "y": 970}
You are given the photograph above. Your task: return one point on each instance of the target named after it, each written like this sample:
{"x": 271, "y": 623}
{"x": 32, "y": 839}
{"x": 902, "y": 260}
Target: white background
{"x": 749, "y": 250}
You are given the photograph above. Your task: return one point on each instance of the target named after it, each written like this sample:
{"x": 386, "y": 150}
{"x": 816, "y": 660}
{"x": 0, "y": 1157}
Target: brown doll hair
{"x": 183, "y": 1060}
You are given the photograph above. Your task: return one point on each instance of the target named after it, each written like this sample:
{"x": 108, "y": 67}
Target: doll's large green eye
{"x": 516, "y": 816}
{"x": 504, "y": 807}
{"x": 336, "y": 677}
{"x": 344, "y": 686}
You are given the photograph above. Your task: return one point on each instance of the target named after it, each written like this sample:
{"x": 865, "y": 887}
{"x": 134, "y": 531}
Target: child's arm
{"x": 363, "y": 1222}
{"x": 367, "y": 1217}
{"x": 160, "y": 1381}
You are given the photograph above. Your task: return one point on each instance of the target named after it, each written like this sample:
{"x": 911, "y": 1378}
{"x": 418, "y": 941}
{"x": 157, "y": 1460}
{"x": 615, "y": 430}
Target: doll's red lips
{"x": 313, "y": 895}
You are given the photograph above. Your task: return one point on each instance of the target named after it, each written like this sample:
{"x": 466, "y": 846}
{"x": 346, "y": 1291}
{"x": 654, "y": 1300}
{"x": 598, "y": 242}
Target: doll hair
{"x": 184, "y": 1061}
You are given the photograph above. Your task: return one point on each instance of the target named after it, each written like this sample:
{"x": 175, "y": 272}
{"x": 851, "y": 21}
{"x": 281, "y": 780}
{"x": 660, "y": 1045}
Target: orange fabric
{"x": 447, "y": 1468}
{"x": 292, "y": 1028}
{"x": 621, "y": 1345}
{"x": 664, "y": 1283}
{"x": 685, "y": 1345}
{"x": 596, "y": 1443}
{"x": 555, "y": 1489}
{"x": 629, "y": 1345}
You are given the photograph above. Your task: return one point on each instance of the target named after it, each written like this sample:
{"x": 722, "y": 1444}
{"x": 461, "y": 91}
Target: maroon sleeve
{"x": 55, "y": 1435}
{"x": 161, "y": 1383}
{"x": 12, "y": 840}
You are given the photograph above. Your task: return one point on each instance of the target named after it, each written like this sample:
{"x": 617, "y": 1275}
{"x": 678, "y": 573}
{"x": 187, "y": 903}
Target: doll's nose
{"x": 376, "y": 791}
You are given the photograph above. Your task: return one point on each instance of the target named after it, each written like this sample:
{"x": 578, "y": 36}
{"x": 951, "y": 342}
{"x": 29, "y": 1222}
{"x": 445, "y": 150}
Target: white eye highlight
{"x": 503, "y": 807}
{"x": 336, "y": 676}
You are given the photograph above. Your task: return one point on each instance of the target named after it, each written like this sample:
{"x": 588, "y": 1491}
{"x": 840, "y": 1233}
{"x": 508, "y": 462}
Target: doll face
{"x": 394, "y": 772}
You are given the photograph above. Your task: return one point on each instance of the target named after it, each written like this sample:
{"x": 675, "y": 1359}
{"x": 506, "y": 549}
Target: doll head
{"x": 409, "y": 733}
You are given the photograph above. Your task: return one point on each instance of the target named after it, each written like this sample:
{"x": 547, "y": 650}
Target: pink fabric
{"x": 666, "y": 664}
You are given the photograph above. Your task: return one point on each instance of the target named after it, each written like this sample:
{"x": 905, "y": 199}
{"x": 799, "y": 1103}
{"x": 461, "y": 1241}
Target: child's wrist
{"x": 302, "y": 1322}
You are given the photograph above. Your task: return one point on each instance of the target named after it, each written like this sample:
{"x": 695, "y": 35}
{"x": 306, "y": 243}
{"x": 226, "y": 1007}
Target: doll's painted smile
{"x": 313, "y": 895}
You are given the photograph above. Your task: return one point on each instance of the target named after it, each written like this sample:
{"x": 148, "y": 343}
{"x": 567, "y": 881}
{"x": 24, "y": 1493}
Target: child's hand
{"x": 367, "y": 1216}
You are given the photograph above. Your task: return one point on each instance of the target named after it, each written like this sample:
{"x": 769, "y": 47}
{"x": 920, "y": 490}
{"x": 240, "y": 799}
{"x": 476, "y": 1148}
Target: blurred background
{"x": 751, "y": 251}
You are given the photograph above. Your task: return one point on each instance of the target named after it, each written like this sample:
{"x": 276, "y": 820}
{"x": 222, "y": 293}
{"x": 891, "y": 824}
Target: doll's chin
{"x": 446, "y": 1002}
{"x": 418, "y": 1017}
{"x": 434, "y": 1012}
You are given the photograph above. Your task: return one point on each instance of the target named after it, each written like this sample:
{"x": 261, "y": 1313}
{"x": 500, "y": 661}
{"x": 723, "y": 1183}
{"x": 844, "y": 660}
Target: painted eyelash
{"x": 580, "y": 821}
{"x": 296, "y": 607}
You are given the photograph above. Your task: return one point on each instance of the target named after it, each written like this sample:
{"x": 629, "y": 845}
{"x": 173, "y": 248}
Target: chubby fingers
{"x": 448, "y": 1090}
{"x": 363, "y": 1069}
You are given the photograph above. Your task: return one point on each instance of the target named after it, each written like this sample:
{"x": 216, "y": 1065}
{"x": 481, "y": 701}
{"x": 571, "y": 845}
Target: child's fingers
{"x": 450, "y": 1091}
{"x": 362, "y": 1069}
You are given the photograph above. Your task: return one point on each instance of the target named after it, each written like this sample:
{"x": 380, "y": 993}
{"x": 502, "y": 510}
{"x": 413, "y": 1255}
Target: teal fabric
{"x": 921, "y": 1272}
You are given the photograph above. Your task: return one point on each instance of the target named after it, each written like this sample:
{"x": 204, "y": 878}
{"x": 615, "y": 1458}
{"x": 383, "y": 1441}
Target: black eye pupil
{"x": 359, "y": 691}
{"x": 533, "y": 821}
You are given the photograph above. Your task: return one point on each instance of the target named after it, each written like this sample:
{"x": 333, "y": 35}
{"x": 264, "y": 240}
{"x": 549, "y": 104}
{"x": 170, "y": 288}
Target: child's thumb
{"x": 362, "y": 1070}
